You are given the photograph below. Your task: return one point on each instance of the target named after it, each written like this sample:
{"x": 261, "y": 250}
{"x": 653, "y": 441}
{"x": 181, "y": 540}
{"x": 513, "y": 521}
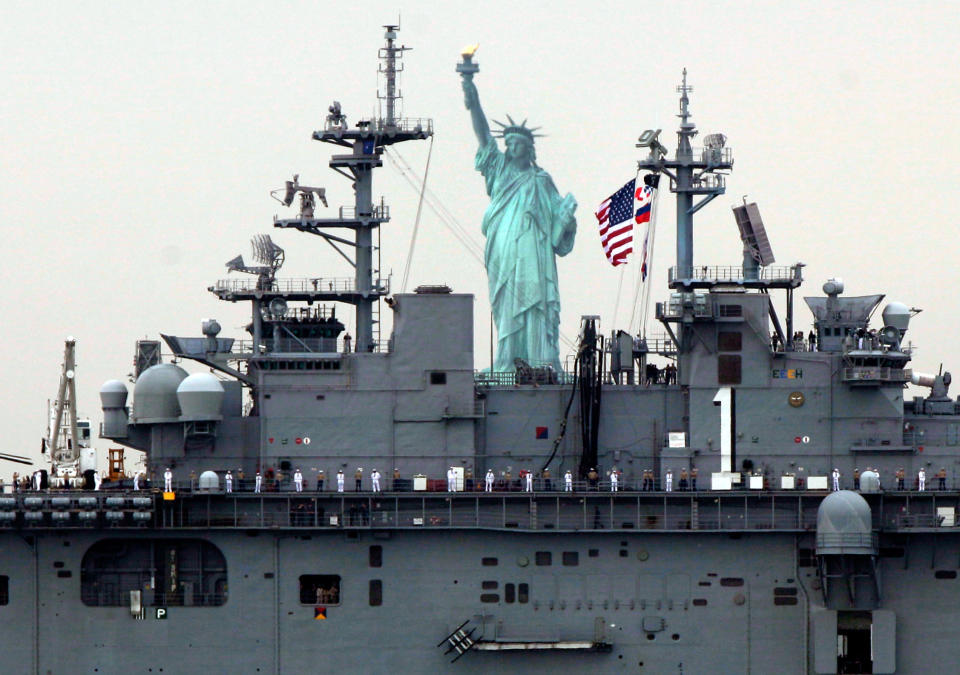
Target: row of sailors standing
{"x": 899, "y": 476}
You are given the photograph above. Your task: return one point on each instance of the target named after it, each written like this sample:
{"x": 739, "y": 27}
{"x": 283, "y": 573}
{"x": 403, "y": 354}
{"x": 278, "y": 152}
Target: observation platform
{"x": 310, "y": 289}
{"x": 709, "y": 277}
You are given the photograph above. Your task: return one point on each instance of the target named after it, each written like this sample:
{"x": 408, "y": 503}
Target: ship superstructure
{"x": 381, "y": 502}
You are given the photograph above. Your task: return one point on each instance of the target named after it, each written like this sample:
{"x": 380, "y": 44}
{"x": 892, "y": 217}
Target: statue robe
{"x": 526, "y": 224}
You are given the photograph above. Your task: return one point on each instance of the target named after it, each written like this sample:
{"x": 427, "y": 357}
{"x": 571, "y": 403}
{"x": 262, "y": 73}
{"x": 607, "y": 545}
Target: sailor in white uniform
{"x": 614, "y": 481}
{"x": 257, "y": 482}
{"x": 228, "y": 480}
{"x": 568, "y": 481}
{"x": 168, "y": 480}
{"x": 451, "y": 480}
{"x": 298, "y": 480}
{"x": 375, "y": 480}
{"x": 529, "y": 481}
{"x": 96, "y": 480}
{"x": 922, "y": 479}
{"x": 488, "y": 481}
{"x": 669, "y": 480}
{"x": 340, "y": 480}
{"x": 836, "y": 479}
{"x": 136, "y": 481}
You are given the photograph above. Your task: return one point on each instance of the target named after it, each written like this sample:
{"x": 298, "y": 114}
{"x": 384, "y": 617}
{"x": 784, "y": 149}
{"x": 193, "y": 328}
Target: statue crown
{"x": 517, "y": 129}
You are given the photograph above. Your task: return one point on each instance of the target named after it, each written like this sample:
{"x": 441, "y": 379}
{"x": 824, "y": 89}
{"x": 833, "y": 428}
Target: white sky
{"x": 140, "y": 141}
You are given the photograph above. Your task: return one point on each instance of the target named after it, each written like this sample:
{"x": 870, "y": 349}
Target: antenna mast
{"x": 390, "y": 55}
{"x": 691, "y": 173}
{"x": 364, "y": 145}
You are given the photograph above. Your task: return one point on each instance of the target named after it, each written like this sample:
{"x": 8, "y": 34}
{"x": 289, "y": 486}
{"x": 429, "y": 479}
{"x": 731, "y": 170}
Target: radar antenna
{"x": 268, "y": 254}
{"x": 307, "y": 201}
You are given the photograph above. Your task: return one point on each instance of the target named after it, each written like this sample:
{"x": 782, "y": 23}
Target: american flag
{"x": 615, "y": 219}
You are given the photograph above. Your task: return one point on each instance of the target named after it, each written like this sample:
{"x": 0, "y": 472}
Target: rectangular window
{"x": 489, "y": 585}
{"x": 731, "y": 310}
{"x": 489, "y": 597}
{"x": 571, "y": 558}
{"x": 728, "y": 369}
{"x": 489, "y": 562}
{"x": 523, "y": 592}
{"x": 320, "y": 589}
{"x": 376, "y": 592}
{"x": 509, "y": 593}
{"x": 729, "y": 341}
{"x": 543, "y": 558}
{"x": 4, "y": 590}
{"x": 438, "y": 378}
{"x": 376, "y": 556}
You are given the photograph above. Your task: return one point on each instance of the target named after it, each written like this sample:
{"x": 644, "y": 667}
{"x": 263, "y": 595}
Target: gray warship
{"x": 321, "y": 501}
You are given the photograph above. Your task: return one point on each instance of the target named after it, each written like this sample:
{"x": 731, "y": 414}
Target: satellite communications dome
{"x": 155, "y": 393}
{"x": 897, "y": 314}
{"x": 845, "y": 524}
{"x": 113, "y": 394}
{"x": 200, "y": 395}
{"x": 209, "y": 480}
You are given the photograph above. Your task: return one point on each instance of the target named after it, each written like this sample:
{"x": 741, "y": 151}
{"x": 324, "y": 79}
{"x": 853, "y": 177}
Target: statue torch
{"x": 467, "y": 67}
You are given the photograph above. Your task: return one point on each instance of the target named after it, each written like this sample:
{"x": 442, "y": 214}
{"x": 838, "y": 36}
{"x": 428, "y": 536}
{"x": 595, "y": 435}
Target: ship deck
{"x": 645, "y": 511}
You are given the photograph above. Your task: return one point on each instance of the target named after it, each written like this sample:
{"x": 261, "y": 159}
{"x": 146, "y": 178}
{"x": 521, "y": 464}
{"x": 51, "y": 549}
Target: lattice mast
{"x": 390, "y": 68}
{"x": 63, "y": 443}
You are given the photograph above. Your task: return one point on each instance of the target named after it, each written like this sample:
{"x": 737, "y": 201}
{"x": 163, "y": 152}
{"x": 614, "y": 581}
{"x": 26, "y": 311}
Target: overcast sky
{"x": 140, "y": 141}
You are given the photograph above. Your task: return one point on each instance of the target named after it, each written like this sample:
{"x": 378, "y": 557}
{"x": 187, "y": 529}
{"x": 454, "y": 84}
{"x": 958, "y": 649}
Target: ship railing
{"x": 244, "y": 348}
{"x": 378, "y": 212}
{"x": 734, "y": 273}
{"x": 407, "y": 124}
{"x": 847, "y": 539}
{"x": 510, "y": 378}
{"x": 922, "y": 521}
{"x": 876, "y": 374}
{"x": 301, "y": 285}
{"x": 113, "y": 597}
{"x": 714, "y": 155}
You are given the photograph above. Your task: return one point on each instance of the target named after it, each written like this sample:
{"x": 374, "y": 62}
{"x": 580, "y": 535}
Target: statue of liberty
{"x": 526, "y": 225}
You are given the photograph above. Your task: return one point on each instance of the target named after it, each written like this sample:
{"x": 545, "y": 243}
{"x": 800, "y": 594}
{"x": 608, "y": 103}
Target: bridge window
{"x": 731, "y": 310}
{"x": 729, "y": 341}
{"x": 543, "y": 558}
{"x": 728, "y": 369}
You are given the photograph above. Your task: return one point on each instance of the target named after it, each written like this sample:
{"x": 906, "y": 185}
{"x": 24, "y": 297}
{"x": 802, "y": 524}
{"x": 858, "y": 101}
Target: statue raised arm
{"x": 471, "y": 99}
{"x": 526, "y": 225}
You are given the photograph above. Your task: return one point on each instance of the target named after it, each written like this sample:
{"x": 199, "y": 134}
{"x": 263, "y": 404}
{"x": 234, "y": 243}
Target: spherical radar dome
{"x": 844, "y": 524}
{"x": 113, "y": 394}
{"x": 209, "y": 480}
{"x": 200, "y": 395}
{"x": 155, "y": 393}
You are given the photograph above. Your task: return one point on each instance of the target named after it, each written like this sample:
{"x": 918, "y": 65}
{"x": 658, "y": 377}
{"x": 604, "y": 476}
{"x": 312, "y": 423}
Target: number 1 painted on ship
{"x": 726, "y": 399}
